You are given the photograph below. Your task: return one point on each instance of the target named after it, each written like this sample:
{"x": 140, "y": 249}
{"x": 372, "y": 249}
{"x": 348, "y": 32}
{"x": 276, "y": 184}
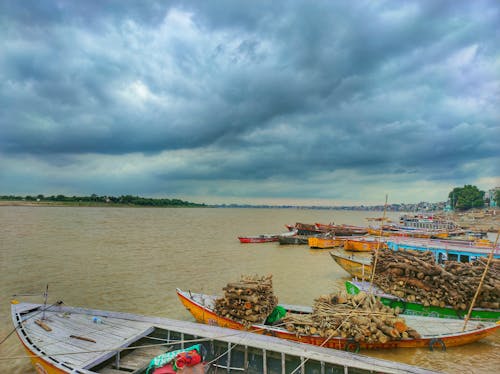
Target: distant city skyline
{"x": 280, "y": 103}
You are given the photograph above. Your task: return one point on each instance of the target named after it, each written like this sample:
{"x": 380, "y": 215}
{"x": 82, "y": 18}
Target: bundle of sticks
{"x": 361, "y": 317}
{"x": 250, "y": 300}
{"x": 415, "y": 277}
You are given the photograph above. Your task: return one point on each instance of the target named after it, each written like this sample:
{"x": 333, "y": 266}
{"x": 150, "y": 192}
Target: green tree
{"x": 466, "y": 197}
{"x": 497, "y": 197}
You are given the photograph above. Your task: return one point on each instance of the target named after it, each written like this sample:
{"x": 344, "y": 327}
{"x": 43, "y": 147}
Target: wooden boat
{"x": 409, "y": 233}
{"x": 446, "y": 332}
{"x": 363, "y": 245}
{"x": 357, "y": 267}
{"x": 414, "y": 308}
{"x": 62, "y": 340}
{"x": 443, "y": 249}
{"x": 304, "y": 229}
{"x": 323, "y": 242}
{"x": 264, "y": 238}
{"x": 341, "y": 230}
{"x": 294, "y": 239}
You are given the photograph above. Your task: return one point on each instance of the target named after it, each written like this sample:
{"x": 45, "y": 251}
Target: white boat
{"x": 61, "y": 339}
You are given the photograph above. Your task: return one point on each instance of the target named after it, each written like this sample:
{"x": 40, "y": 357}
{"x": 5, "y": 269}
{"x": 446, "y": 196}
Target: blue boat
{"x": 442, "y": 249}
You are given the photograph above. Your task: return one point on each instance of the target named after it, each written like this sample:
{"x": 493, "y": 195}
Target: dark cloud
{"x": 276, "y": 92}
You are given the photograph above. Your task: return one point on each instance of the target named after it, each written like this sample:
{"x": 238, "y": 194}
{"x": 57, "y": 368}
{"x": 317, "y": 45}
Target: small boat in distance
{"x": 446, "y": 332}
{"x": 258, "y": 238}
{"x": 265, "y": 238}
{"x": 61, "y": 340}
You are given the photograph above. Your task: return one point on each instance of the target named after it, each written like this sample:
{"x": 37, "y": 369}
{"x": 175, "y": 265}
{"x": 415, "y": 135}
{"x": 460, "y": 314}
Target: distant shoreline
{"x": 83, "y": 204}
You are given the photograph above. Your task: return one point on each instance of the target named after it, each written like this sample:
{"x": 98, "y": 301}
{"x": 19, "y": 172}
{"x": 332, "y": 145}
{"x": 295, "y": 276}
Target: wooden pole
{"x": 378, "y": 246}
{"x": 490, "y": 257}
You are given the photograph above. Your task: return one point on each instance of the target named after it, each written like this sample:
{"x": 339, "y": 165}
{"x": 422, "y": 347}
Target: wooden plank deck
{"x": 91, "y": 354}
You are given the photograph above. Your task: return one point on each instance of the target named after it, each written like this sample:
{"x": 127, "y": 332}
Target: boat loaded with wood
{"x": 335, "y": 321}
{"x": 413, "y": 281}
{"x": 415, "y": 308}
{"x": 61, "y": 339}
{"x": 444, "y": 249}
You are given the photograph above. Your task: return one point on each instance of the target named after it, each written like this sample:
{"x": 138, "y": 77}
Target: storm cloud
{"x": 232, "y": 101}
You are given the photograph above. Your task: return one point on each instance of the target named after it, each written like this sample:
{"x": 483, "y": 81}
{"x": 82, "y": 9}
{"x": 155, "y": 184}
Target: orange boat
{"x": 326, "y": 242}
{"x": 363, "y": 245}
{"x": 440, "y": 332}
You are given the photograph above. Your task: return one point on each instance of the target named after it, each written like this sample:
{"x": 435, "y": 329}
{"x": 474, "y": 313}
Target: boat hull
{"x": 356, "y": 268}
{"x": 419, "y": 309}
{"x": 257, "y": 239}
{"x": 323, "y": 243}
{"x": 203, "y": 314}
{"x": 363, "y": 245}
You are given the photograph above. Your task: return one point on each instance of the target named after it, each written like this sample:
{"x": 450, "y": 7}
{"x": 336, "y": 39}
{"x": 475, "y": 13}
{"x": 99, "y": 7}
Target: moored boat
{"x": 258, "y": 238}
{"x": 363, "y": 244}
{"x": 341, "y": 230}
{"x": 324, "y": 242}
{"x": 415, "y": 308}
{"x": 294, "y": 239}
{"x": 358, "y": 267}
{"x": 61, "y": 340}
{"x": 446, "y": 332}
{"x": 443, "y": 249}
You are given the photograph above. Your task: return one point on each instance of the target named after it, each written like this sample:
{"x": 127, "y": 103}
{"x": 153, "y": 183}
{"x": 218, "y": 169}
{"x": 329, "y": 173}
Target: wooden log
{"x": 43, "y": 325}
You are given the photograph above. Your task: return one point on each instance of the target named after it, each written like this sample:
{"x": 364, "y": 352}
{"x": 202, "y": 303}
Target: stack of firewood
{"x": 415, "y": 277}
{"x": 361, "y": 317}
{"x": 489, "y": 294}
{"x": 248, "y": 301}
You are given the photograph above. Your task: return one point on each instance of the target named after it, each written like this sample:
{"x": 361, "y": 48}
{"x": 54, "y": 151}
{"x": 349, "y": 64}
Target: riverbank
{"x": 58, "y": 204}
{"x": 483, "y": 220}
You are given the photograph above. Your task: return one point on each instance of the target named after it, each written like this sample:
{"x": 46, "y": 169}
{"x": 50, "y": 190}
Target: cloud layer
{"x": 232, "y": 101}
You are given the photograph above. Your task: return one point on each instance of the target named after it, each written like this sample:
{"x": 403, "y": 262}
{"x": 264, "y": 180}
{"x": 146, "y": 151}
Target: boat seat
{"x": 138, "y": 360}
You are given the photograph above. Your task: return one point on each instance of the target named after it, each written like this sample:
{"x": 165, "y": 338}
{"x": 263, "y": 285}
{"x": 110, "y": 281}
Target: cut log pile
{"x": 361, "y": 317}
{"x": 248, "y": 301}
{"x": 415, "y": 277}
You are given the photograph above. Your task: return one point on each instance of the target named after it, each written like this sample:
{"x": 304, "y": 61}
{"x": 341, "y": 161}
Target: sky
{"x": 259, "y": 102}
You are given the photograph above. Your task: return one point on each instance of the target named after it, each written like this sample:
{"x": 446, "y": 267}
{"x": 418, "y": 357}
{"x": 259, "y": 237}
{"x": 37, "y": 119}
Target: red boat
{"x": 258, "y": 238}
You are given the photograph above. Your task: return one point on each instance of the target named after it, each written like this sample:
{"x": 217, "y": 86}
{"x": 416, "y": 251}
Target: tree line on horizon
{"x": 123, "y": 200}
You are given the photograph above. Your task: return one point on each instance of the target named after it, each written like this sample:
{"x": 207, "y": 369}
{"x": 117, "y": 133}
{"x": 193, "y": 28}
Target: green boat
{"x": 353, "y": 287}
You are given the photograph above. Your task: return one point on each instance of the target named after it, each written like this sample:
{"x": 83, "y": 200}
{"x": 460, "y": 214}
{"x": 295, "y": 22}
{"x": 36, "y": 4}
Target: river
{"x": 132, "y": 259}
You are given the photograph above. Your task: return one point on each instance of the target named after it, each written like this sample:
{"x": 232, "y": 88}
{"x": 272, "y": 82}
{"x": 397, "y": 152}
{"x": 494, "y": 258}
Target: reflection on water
{"x": 132, "y": 259}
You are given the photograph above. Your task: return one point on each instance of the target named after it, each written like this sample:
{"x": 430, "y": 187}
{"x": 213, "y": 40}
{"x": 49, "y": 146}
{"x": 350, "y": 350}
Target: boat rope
{"x": 42, "y": 310}
{"x": 490, "y": 258}
{"x": 378, "y": 247}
